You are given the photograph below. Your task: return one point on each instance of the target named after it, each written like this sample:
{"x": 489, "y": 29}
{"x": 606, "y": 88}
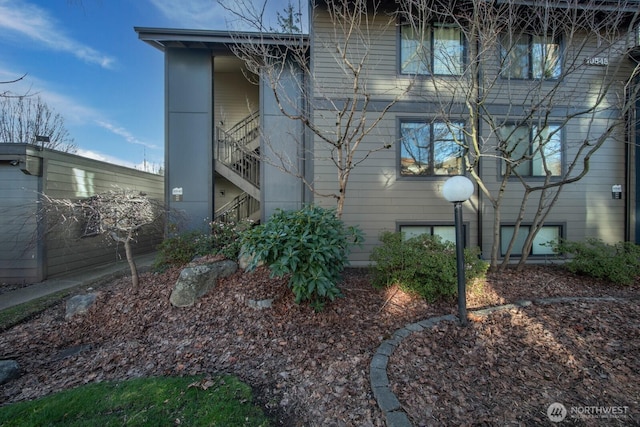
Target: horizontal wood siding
{"x": 73, "y": 177}
{"x": 234, "y": 98}
{"x": 377, "y": 198}
{"x": 18, "y": 248}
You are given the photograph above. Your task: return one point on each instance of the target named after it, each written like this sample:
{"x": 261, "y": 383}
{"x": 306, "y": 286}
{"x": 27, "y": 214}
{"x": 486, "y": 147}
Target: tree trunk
{"x": 135, "y": 279}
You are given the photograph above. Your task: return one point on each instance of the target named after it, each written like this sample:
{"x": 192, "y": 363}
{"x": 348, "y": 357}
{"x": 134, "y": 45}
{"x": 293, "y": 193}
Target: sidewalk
{"x": 80, "y": 278}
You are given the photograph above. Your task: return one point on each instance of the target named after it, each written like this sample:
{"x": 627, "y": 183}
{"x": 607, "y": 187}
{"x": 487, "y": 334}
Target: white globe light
{"x": 457, "y": 189}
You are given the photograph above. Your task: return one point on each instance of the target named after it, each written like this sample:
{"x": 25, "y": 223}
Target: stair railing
{"x": 233, "y": 151}
{"x": 238, "y": 209}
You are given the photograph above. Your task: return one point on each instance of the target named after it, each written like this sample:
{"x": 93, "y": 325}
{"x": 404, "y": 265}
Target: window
{"x": 530, "y": 57}
{"x": 437, "y": 50}
{"x": 429, "y": 149}
{"x": 446, "y": 232}
{"x": 548, "y": 233}
{"x": 532, "y": 151}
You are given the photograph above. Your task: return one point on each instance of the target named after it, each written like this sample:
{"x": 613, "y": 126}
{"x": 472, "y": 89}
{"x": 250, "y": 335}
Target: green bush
{"x": 226, "y": 237}
{"x": 618, "y": 263}
{"x": 223, "y": 239}
{"x": 424, "y": 265}
{"x": 311, "y": 245}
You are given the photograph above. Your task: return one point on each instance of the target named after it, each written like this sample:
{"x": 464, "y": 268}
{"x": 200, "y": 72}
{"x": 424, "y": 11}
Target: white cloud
{"x": 146, "y": 166}
{"x": 70, "y": 109}
{"x": 104, "y": 158}
{"x": 124, "y": 134}
{"x": 32, "y": 22}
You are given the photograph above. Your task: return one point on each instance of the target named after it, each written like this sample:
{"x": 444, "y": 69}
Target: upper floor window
{"x": 532, "y": 150}
{"x": 436, "y": 49}
{"x": 530, "y": 57}
{"x": 428, "y": 149}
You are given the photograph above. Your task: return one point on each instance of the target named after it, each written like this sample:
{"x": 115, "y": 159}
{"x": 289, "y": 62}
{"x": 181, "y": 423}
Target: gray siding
{"x": 19, "y": 254}
{"x": 189, "y": 127}
{"x": 73, "y": 177}
{"x": 34, "y": 250}
{"x": 378, "y": 198}
{"x": 283, "y": 145}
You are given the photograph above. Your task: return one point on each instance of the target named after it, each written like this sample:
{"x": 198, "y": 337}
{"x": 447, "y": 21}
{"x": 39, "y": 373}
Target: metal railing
{"x": 234, "y": 149}
{"x": 246, "y": 130}
{"x": 238, "y": 209}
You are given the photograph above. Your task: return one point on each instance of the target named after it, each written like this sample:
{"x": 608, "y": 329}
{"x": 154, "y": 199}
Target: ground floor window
{"x": 548, "y": 233}
{"x": 446, "y": 231}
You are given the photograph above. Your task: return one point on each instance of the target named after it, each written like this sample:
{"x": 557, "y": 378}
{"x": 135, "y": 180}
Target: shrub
{"x": 311, "y": 245}
{"x": 177, "y": 250}
{"x": 618, "y": 263}
{"x": 223, "y": 239}
{"x": 423, "y": 265}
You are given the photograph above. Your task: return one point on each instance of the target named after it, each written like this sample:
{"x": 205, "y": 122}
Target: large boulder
{"x": 197, "y": 280}
{"x": 79, "y": 304}
{"x": 9, "y": 369}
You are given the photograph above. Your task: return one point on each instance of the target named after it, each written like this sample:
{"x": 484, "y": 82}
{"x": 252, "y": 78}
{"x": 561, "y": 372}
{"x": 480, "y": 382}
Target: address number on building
{"x": 597, "y": 60}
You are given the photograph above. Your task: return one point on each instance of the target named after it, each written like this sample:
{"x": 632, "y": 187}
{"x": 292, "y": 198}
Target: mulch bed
{"x": 312, "y": 369}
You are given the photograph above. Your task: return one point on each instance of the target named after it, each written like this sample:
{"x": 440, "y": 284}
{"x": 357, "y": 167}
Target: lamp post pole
{"x": 462, "y": 286}
{"x": 457, "y": 190}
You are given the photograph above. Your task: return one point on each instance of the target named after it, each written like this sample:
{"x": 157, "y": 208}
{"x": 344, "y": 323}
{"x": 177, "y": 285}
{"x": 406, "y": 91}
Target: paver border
{"x": 387, "y": 401}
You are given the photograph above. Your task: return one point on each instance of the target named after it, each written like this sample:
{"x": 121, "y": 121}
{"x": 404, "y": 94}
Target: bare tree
{"x": 119, "y": 214}
{"x": 22, "y": 118}
{"x": 353, "y": 115}
{"x": 517, "y": 95}
{"x": 9, "y": 94}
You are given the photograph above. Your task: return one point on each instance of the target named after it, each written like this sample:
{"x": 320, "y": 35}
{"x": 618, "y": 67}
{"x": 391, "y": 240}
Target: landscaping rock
{"x": 9, "y": 369}
{"x": 79, "y": 304}
{"x": 246, "y": 258}
{"x": 197, "y": 280}
{"x": 260, "y": 304}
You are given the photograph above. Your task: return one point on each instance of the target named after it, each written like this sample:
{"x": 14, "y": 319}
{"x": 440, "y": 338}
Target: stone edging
{"x": 387, "y": 400}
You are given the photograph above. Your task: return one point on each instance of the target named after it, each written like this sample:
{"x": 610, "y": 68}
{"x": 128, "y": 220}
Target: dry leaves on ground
{"x": 312, "y": 368}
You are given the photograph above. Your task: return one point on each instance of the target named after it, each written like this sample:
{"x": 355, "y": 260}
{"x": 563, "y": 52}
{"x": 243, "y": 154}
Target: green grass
{"x": 223, "y": 401}
{"x": 12, "y": 316}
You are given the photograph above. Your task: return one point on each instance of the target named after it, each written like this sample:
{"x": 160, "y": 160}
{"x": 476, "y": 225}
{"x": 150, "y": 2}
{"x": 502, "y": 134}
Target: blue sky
{"x": 85, "y": 60}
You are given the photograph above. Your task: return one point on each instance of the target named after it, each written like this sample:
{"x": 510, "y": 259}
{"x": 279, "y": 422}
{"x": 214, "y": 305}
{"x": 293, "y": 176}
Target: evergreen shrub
{"x": 424, "y": 265}
{"x": 618, "y": 263}
{"x": 311, "y": 245}
{"x": 223, "y": 239}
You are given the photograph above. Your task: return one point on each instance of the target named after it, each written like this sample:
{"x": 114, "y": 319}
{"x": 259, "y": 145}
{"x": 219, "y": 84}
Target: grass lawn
{"x": 190, "y": 401}
{"x": 12, "y": 316}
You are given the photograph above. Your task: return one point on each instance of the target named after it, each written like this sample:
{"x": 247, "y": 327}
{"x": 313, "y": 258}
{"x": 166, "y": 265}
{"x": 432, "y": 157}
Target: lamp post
{"x": 457, "y": 190}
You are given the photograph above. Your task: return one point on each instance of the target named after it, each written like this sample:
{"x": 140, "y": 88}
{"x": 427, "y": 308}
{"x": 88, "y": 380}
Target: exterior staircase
{"x": 238, "y": 160}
